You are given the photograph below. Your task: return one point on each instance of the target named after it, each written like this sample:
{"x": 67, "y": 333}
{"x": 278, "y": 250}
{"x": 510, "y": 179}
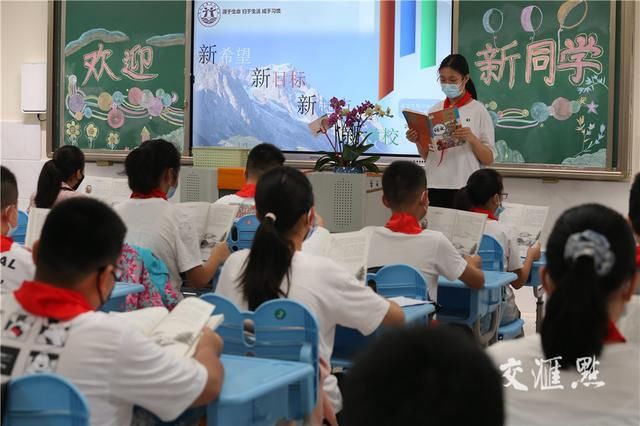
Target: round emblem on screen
{"x": 209, "y": 14}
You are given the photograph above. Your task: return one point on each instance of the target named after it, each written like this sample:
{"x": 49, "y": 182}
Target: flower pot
{"x": 349, "y": 169}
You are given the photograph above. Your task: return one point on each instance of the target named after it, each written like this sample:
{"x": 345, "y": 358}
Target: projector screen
{"x": 264, "y": 69}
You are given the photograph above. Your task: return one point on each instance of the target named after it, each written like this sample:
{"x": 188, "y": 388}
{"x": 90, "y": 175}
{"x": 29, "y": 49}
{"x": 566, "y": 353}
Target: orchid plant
{"x": 350, "y": 136}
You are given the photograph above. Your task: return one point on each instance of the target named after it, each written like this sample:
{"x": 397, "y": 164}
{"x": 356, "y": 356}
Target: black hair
{"x": 459, "y": 64}
{"x": 402, "y": 182}
{"x": 634, "y": 204}
{"x": 80, "y": 235}
{"x": 146, "y": 164}
{"x": 263, "y": 158}
{"x": 461, "y": 200}
{"x": 423, "y": 376}
{"x": 66, "y": 161}
{"x": 482, "y": 185}
{"x": 8, "y": 188}
{"x": 576, "y": 318}
{"x": 286, "y": 193}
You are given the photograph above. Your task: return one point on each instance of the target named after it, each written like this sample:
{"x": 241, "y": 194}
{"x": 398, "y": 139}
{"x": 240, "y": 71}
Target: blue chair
{"x": 118, "y": 299}
{"x": 242, "y": 233}
{"x": 19, "y": 234}
{"x": 492, "y": 255}
{"x": 282, "y": 329}
{"x": 44, "y": 400}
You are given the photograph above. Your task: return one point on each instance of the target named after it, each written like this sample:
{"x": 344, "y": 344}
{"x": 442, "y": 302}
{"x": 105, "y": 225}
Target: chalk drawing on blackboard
{"x": 492, "y": 21}
{"x": 95, "y": 34}
{"x": 113, "y": 140}
{"x": 73, "y": 131}
{"x": 92, "y": 133}
{"x": 563, "y": 13}
{"x": 528, "y": 16}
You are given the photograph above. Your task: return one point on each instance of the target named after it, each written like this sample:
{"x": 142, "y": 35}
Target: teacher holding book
{"x": 469, "y": 147}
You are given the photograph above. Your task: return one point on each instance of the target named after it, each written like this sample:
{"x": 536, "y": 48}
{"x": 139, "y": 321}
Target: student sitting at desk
{"x": 261, "y": 159}
{"x": 403, "y": 240}
{"x": 433, "y": 376}
{"x": 155, "y": 224}
{"x": 275, "y": 267}
{"x": 630, "y": 322}
{"x": 59, "y": 178}
{"x": 51, "y": 325}
{"x": 579, "y": 370}
{"x": 484, "y": 194}
{"x": 16, "y": 261}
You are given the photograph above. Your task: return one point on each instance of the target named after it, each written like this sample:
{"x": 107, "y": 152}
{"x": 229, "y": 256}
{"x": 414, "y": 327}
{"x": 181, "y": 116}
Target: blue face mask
{"x": 171, "y": 192}
{"x": 311, "y": 230}
{"x": 499, "y": 210}
{"x": 452, "y": 91}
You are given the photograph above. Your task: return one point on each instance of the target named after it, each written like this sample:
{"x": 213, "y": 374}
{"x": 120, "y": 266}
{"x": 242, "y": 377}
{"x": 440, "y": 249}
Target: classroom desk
{"x": 348, "y": 342}
{"x": 535, "y": 283}
{"x": 116, "y": 302}
{"x": 256, "y": 391}
{"x": 463, "y": 305}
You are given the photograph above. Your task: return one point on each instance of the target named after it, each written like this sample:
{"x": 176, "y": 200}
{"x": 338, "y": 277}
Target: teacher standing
{"x": 449, "y": 169}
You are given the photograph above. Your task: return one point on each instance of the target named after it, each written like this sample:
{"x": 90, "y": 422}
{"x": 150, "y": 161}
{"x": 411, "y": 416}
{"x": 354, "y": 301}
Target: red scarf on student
{"x": 155, "y": 193}
{"x": 5, "y": 243}
{"x": 489, "y": 214}
{"x": 637, "y": 256}
{"x": 613, "y": 334}
{"x": 465, "y": 99}
{"x": 45, "y": 300}
{"x": 405, "y": 223}
{"x": 248, "y": 190}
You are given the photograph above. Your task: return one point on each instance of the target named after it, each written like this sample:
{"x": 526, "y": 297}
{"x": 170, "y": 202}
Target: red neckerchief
{"x": 637, "y": 256}
{"x": 248, "y": 190}
{"x": 155, "y": 193}
{"x": 5, "y": 243}
{"x": 613, "y": 334}
{"x": 489, "y": 214}
{"x": 45, "y": 300}
{"x": 403, "y": 222}
{"x": 465, "y": 99}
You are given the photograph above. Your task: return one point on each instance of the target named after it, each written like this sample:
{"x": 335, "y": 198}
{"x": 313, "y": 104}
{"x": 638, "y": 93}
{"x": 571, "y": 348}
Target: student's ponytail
{"x": 590, "y": 254}
{"x": 471, "y": 88}
{"x": 283, "y": 196}
{"x": 66, "y": 162}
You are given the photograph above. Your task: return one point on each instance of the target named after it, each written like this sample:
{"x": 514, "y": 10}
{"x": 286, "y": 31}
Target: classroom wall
{"x": 22, "y": 138}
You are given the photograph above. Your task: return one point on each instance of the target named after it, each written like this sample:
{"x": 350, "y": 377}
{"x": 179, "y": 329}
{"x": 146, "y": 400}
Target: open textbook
{"x": 443, "y": 124}
{"x": 419, "y": 122}
{"x": 463, "y": 229}
{"x": 525, "y": 223}
{"x": 210, "y": 221}
{"x": 106, "y": 189}
{"x": 349, "y": 249}
{"x": 179, "y": 330}
{"x": 35, "y": 223}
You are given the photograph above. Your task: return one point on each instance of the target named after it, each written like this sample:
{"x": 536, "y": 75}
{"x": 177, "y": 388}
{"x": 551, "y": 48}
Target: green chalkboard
{"x": 545, "y": 70}
{"x": 120, "y": 73}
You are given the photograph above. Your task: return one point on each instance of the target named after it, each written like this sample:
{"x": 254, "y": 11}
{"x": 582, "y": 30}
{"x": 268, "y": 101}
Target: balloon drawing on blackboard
{"x": 531, "y": 19}
{"x": 492, "y": 21}
{"x": 565, "y": 10}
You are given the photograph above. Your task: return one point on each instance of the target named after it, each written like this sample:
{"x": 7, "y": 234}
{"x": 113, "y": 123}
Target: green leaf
{"x": 349, "y": 153}
{"x": 324, "y": 161}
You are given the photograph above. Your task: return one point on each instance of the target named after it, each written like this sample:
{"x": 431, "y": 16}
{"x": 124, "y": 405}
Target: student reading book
{"x": 403, "y": 240}
{"x": 37, "y": 216}
{"x": 177, "y": 331}
{"x": 525, "y": 222}
{"x": 463, "y": 229}
{"x": 16, "y": 263}
{"x": 106, "y": 189}
{"x": 276, "y": 267}
{"x": 212, "y": 222}
{"x": 155, "y": 224}
{"x": 52, "y": 324}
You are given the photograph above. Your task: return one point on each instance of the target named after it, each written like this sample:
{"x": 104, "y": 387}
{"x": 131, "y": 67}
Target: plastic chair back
{"x": 282, "y": 329}
{"x": 20, "y": 233}
{"x": 492, "y": 254}
{"x": 45, "y": 400}
{"x": 399, "y": 280}
{"x": 242, "y": 233}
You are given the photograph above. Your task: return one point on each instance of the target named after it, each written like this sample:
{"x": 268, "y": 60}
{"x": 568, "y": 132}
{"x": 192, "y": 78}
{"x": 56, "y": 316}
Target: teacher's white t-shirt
{"x": 460, "y": 162}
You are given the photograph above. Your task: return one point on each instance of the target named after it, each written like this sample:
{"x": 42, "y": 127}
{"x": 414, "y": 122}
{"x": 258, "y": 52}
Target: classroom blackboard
{"x": 546, "y": 72}
{"x": 120, "y": 73}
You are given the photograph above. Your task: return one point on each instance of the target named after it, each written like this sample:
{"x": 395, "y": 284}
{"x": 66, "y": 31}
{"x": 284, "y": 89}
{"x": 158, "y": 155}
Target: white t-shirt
{"x": 430, "y": 252}
{"x": 246, "y": 205}
{"x": 157, "y": 225}
{"x": 629, "y": 323}
{"x": 113, "y": 366}
{"x": 615, "y": 403}
{"x": 16, "y": 266}
{"x": 331, "y": 293}
{"x": 460, "y": 162}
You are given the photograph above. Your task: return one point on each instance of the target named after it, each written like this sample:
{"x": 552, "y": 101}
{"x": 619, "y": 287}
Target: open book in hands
{"x": 179, "y": 330}
{"x": 349, "y": 249}
{"x": 463, "y": 229}
{"x": 37, "y": 217}
{"x": 524, "y": 222}
{"x": 419, "y": 122}
{"x": 211, "y": 222}
{"x": 443, "y": 124}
